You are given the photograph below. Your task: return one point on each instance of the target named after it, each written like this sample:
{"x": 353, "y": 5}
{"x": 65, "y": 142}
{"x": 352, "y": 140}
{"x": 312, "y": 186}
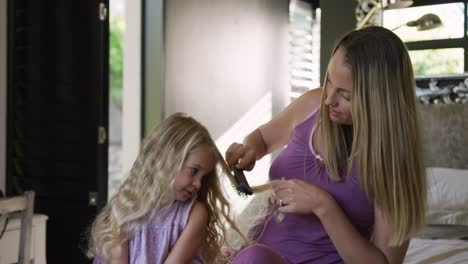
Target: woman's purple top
{"x": 153, "y": 241}
{"x": 303, "y": 238}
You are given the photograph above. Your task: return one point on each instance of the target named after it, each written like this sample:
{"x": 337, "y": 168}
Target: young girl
{"x": 171, "y": 208}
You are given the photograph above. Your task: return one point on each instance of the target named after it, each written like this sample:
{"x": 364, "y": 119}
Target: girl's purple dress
{"x": 154, "y": 240}
{"x": 302, "y": 238}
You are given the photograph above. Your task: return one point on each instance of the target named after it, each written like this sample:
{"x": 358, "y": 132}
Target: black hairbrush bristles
{"x": 242, "y": 184}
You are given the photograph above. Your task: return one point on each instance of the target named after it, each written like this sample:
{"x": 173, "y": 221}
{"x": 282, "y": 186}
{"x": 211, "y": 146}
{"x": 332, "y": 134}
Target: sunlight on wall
{"x": 259, "y": 114}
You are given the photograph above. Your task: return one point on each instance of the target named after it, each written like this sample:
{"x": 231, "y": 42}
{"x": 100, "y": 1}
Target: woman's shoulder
{"x": 305, "y": 105}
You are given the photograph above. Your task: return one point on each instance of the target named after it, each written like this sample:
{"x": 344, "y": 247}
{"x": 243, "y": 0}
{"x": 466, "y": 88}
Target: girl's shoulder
{"x": 191, "y": 210}
{"x": 198, "y": 214}
{"x": 177, "y": 213}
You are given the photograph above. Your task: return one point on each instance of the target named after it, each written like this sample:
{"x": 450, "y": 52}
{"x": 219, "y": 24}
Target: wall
{"x": 337, "y": 19}
{"x": 3, "y": 61}
{"x": 222, "y": 57}
{"x": 131, "y": 114}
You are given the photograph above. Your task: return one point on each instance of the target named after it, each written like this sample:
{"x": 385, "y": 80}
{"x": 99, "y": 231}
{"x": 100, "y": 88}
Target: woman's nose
{"x": 330, "y": 100}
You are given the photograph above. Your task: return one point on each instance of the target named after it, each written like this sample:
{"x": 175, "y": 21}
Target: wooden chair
{"x": 23, "y": 206}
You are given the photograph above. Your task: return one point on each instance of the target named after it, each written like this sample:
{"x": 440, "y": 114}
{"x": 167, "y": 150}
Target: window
{"x": 304, "y": 35}
{"x": 436, "y": 51}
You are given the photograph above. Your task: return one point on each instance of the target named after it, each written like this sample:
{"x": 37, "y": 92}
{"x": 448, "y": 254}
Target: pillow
{"x": 447, "y": 201}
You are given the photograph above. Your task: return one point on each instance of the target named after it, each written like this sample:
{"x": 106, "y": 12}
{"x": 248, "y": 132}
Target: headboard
{"x": 444, "y": 130}
{"x": 444, "y": 119}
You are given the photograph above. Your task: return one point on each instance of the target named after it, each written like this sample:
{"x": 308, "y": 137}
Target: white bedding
{"x": 442, "y": 251}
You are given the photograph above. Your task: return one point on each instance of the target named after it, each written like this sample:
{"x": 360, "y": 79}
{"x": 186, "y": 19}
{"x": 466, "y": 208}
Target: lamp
{"x": 384, "y": 4}
{"x": 426, "y": 22}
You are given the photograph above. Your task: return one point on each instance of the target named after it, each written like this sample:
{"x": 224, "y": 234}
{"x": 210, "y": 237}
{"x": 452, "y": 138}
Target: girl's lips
{"x": 189, "y": 193}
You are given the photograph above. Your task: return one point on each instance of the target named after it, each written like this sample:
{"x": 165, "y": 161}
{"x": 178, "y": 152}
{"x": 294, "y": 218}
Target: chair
{"x": 22, "y": 206}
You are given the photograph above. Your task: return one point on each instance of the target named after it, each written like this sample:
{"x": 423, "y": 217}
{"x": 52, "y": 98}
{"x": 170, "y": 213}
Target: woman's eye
{"x": 345, "y": 96}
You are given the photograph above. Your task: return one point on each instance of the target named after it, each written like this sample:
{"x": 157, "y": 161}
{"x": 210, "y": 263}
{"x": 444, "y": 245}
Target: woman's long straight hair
{"x": 385, "y": 134}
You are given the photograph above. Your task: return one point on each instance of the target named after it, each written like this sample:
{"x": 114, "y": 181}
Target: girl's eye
{"x": 194, "y": 171}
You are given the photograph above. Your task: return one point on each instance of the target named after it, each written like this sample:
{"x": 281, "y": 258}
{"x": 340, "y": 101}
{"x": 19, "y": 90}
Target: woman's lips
{"x": 333, "y": 112}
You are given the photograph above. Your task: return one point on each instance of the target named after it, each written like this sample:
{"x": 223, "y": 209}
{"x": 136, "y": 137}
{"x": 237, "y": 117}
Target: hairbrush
{"x": 242, "y": 187}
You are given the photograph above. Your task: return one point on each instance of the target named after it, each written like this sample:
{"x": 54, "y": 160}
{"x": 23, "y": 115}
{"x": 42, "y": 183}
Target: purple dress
{"x": 153, "y": 241}
{"x": 302, "y": 238}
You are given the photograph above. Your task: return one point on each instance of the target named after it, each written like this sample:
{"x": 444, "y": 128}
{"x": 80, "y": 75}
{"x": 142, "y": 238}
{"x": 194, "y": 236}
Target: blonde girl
{"x": 171, "y": 208}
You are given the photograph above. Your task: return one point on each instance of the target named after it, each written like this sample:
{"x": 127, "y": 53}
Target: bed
{"x": 428, "y": 251}
{"x": 445, "y": 142}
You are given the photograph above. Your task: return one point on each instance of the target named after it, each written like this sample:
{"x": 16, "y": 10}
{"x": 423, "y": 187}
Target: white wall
{"x": 131, "y": 114}
{"x": 222, "y": 57}
{"x": 3, "y": 61}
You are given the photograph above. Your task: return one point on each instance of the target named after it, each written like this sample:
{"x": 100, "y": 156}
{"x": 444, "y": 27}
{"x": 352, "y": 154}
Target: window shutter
{"x": 304, "y": 34}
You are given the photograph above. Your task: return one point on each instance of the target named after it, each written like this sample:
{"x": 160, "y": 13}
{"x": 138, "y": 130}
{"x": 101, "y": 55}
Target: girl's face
{"x": 338, "y": 88}
{"x": 199, "y": 163}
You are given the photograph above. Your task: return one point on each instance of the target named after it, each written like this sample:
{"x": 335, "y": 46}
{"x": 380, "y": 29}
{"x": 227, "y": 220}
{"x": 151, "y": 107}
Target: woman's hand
{"x": 241, "y": 155}
{"x": 297, "y": 196}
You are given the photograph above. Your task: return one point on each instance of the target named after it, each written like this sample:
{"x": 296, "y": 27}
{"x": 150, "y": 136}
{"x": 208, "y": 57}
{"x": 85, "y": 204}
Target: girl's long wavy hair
{"x": 384, "y": 138}
{"x": 149, "y": 188}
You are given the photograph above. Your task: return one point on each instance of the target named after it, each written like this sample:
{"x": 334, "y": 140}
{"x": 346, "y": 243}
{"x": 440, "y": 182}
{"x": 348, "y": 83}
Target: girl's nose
{"x": 197, "y": 183}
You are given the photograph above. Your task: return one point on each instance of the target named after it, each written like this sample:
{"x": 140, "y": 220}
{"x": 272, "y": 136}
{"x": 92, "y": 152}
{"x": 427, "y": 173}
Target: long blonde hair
{"x": 384, "y": 138}
{"x": 148, "y": 189}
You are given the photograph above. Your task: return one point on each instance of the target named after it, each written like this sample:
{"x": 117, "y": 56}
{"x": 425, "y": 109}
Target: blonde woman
{"x": 171, "y": 208}
{"x": 354, "y": 184}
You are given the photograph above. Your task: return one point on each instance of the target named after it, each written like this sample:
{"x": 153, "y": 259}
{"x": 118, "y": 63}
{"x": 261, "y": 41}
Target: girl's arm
{"x": 119, "y": 255}
{"x": 301, "y": 197}
{"x": 273, "y": 134}
{"x": 189, "y": 243}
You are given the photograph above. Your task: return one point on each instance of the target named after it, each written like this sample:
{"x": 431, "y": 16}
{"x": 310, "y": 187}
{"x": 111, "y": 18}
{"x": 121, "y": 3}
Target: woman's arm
{"x": 190, "y": 242}
{"x": 273, "y": 134}
{"x": 381, "y": 237}
{"x": 119, "y": 255}
{"x": 305, "y": 198}
{"x": 353, "y": 247}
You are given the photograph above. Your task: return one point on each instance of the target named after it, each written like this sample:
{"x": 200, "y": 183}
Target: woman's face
{"x": 338, "y": 89}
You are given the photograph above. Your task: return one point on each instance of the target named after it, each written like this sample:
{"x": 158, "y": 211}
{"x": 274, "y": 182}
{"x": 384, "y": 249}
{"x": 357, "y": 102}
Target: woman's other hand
{"x": 241, "y": 155}
{"x": 297, "y": 196}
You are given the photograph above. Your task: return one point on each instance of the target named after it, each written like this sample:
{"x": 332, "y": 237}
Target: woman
{"x": 354, "y": 188}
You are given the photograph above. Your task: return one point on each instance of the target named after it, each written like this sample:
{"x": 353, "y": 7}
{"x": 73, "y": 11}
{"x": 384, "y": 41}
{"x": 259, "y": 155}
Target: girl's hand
{"x": 241, "y": 155}
{"x": 297, "y": 196}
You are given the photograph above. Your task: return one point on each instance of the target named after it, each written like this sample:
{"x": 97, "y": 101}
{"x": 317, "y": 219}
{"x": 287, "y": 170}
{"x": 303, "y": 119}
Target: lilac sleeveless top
{"x": 302, "y": 238}
{"x": 153, "y": 241}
